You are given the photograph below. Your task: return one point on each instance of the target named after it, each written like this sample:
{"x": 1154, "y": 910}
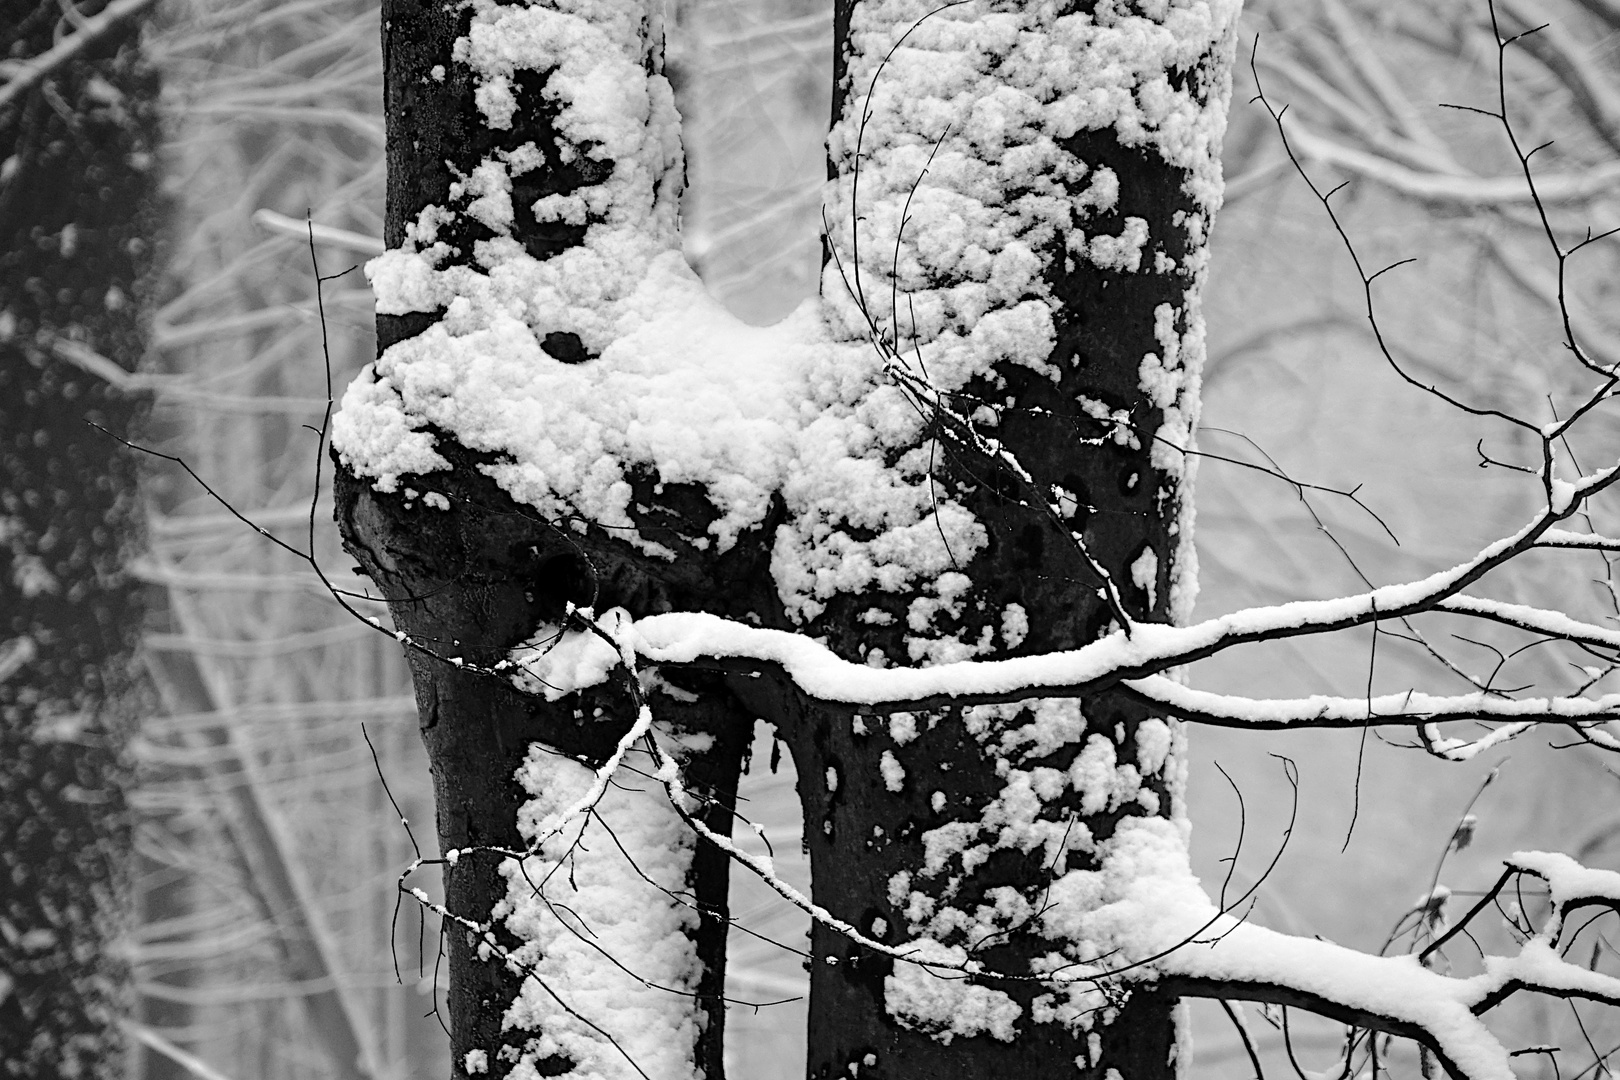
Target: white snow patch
{"x": 894, "y": 774}
{"x": 902, "y": 727}
{"x": 1145, "y": 575}
{"x": 1153, "y": 741}
{"x": 944, "y": 1003}
{"x": 1014, "y": 625}
{"x": 580, "y": 875}
{"x": 555, "y": 661}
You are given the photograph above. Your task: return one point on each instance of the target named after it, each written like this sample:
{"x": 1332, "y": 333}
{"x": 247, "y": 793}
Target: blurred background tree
{"x": 78, "y": 224}
{"x": 267, "y": 942}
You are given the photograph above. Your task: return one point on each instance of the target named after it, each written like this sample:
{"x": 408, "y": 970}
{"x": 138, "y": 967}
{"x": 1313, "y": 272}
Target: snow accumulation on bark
{"x": 962, "y": 198}
{"x": 608, "y": 1014}
{"x": 804, "y": 407}
{"x": 804, "y": 410}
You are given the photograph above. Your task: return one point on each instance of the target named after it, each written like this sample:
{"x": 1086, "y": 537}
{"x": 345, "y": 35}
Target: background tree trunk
{"x": 78, "y": 222}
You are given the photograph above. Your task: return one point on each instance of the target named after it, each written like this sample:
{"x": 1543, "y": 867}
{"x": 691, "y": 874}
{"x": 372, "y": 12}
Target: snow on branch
{"x": 1136, "y": 918}
{"x": 1400, "y": 995}
{"x": 1325, "y": 711}
{"x": 1563, "y": 538}
{"x": 1151, "y": 649}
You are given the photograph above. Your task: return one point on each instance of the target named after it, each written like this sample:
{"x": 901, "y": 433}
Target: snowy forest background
{"x": 268, "y": 848}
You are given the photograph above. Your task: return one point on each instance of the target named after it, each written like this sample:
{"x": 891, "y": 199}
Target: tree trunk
{"x": 77, "y": 210}
{"x": 945, "y": 843}
{"x": 987, "y": 457}
{"x": 476, "y": 578}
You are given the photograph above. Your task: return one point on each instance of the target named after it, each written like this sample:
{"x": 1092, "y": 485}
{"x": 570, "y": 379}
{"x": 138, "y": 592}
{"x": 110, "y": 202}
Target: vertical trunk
{"x": 1043, "y": 280}
{"x": 470, "y": 572}
{"x": 77, "y": 202}
{"x": 557, "y": 419}
{"x": 472, "y": 582}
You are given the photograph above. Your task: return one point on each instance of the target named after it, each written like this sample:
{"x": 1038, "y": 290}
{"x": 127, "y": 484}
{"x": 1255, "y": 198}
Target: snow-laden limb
{"x": 1326, "y": 711}
{"x": 1554, "y": 624}
{"x": 680, "y": 638}
{"x": 696, "y": 638}
{"x": 1455, "y": 749}
{"x": 1145, "y": 915}
{"x": 1569, "y": 884}
{"x": 1564, "y": 538}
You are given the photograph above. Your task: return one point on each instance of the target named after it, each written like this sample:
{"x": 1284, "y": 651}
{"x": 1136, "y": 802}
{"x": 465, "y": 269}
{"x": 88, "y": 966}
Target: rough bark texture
{"x": 864, "y": 834}
{"x": 77, "y": 208}
{"x": 476, "y": 580}
{"x": 469, "y": 582}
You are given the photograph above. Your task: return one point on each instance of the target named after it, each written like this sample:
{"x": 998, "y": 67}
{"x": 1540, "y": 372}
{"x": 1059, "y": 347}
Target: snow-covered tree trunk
{"x": 478, "y": 143}
{"x": 1048, "y": 272}
{"x": 972, "y": 447}
{"x": 78, "y": 208}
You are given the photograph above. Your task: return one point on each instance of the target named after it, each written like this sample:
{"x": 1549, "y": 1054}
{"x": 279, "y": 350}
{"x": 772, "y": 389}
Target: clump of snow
{"x": 902, "y": 727}
{"x": 946, "y": 1004}
{"x": 1014, "y": 625}
{"x": 1153, "y": 743}
{"x": 1122, "y": 253}
{"x": 894, "y": 774}
{"x": 1101, "y": 780}
{"x": 579, "y": 896}
{"x": 557, "y": 661}
{"x": 1145, "y": 575}
{"x": 680, "y": 385}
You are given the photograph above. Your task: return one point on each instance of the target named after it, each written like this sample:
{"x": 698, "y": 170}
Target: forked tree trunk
{"x": 1038, "y": 311}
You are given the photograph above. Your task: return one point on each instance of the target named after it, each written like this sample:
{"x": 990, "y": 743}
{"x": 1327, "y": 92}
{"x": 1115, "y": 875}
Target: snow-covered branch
{"x": 1406, "y": 709}
{"x": 1554, "y": 624}
{"x": 1400, "y": 995}
{"x": 1563, "y": 538}
{"x": 694, "y": 638}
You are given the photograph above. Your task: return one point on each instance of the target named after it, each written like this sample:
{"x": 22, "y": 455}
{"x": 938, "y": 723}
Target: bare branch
{"x": 1462, "y": 191}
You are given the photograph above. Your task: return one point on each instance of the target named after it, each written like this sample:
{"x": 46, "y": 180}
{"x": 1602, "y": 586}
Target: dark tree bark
{"x": 1087, "y": 537}
{"x": 77, "y": 221}
{"x": 1104, "y": 321}
{"x": 481, "y": 576}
